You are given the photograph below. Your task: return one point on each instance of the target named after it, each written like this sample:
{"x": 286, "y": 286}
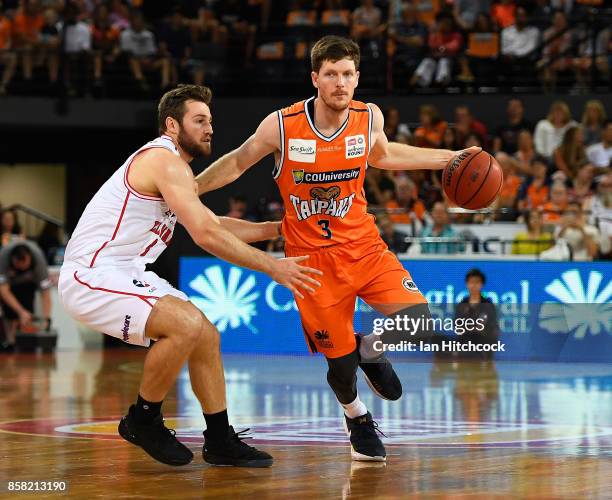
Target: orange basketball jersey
{"x": 321, "y": 178}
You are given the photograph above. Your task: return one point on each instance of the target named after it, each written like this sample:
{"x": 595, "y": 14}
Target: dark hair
{"x": 20, "y": 252}
{"x": 539, "y": 159}
{"x": 172, "y": 103}
{"x": 475, "y": 273}
{"x": 333, "y": 48}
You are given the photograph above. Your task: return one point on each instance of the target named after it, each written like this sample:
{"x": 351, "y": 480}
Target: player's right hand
{"x": 288, "y": 272}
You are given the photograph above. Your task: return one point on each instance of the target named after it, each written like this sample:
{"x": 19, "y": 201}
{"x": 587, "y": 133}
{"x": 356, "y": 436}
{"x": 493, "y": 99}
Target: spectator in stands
{"x": 525, "y": 153}
{"x": 600, "y": 154}
{"x": 23, "y": 270}
{"x": 585, "y": 241}
{"x": 535, "y": 239}
{"x": 599, "y": 208}
{"x": 119, "y": 14}
{"x": 405, "y": 207}
{"x": 430, "y": 133}
{"x": 379, "y": 186}
{"x": 274, "y": 212}
{"x": 549, "y": 132}
{"x": 534, "y": 192}
{"x": 233, "y": 15}
{"x": 593, "y": 120}
{"x": 394, "y": 130}
{"x": 410, "y": 37}
{"x": 508, "y": 194}
{"x": 237, "y": 207}
{"x": 555, "y": 56}
{"x": 104, "y": 41}
{"x": 27, "y": 27}
{"x": 440, "y": 228}
{"x": 570, "y": 156}
{"x": 504, "y": 13}
{"x": 8, "y": 57}
{"x": 449, "y": 140}
{"x": 507, "y": 135}
{"x": 473, "y": 140}
{"x": 518, "y": 44}
{"x": 395, "y": 240}
{"x": 368, "y": 27}
{"x": 175, "y": 44}
{"x": 557, "y": 203}
{"x": 581, "y": 184}
{"x": 583, "y": 61}
{"x": 76, "y": 47}
{"x": 9, "y": 227}
{"x": 139, "y": 43}
{"x": 49, "y": 241}
{"x": 467, "y": 12}
{"x": 481, "y": 53}
{"x": 444, "y": 43}
{"x": 466, "y": 124}
{"x": 336, "y": 18}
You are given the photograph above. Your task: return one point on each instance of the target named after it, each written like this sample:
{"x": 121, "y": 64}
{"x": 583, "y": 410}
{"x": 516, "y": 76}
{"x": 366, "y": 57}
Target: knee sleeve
{"x": 342, "y": 376}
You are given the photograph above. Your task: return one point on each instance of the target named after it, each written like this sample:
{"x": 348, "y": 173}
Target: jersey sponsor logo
{"x": 328, "y": 149}
{"x": 140, "y": 284}
{"x": 409, "y": 285}
{"x": 126, "y": 328}
{"x": 355, "y": 146}
{"x": 303, "y": 177}
{"x": 303, "y": 150}
{"x": 324, "y": 201}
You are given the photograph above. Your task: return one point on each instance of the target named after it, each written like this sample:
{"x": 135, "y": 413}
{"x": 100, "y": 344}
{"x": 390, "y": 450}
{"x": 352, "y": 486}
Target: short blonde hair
{"x": 561, "y": 106}
{"x": 595, "y": 104}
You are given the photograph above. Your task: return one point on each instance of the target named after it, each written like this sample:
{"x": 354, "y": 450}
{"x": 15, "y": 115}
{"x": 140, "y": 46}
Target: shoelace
{"x": 240, "y": 436}
{"x": 373, "y": 425}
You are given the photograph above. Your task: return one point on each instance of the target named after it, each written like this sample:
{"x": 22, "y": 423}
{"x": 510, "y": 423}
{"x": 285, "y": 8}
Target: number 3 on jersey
{"x": 324, "y": 223}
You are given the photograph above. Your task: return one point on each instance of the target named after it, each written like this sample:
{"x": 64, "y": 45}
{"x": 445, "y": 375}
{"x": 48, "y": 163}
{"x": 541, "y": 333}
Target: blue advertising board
{"x": 546, "y": 311}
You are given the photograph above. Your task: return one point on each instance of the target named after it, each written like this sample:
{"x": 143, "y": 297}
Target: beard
{"x": 335, "y": 105}
{"x": 193, "y": 148}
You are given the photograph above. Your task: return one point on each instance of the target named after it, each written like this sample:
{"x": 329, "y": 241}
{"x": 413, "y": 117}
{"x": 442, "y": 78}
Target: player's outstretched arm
{"x": 174, "y": 180}
{"x": 249, "y": 232}
{"x": 395, "y": 156}
{"x": 229, "y": 167}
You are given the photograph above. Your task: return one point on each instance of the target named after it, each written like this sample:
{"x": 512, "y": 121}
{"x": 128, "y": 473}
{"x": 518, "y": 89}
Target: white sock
{"x": 355, "y": 409}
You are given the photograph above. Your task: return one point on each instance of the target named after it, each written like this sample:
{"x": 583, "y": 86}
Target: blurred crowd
{"x": 96, "y": 46}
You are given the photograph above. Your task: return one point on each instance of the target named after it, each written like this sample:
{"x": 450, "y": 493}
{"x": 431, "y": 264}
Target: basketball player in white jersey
{"x": 103, "y": 282}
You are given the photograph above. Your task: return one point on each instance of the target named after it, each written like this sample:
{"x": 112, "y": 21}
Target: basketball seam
{"x": 481, "y": 184}
{"x": 496, "y": 192}
{"x": 461, "y": 174}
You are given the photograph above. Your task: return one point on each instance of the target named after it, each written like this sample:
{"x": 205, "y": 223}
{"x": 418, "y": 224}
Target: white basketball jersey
{"x": 120, "y": 226}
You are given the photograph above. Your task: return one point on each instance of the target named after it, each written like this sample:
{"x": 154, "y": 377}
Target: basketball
{"x": 472, "y": 179}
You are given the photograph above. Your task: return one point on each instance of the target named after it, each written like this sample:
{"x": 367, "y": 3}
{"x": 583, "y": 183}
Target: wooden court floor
{"x": 461, "y": 431}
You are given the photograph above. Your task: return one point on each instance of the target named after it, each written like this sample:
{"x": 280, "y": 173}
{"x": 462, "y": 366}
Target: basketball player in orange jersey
{"x": 322, "y": 147}
{"x": 103, "y": 282}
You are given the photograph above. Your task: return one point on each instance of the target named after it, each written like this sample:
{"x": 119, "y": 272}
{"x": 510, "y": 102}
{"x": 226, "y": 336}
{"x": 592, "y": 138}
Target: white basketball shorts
{"x": 113, "y": 300}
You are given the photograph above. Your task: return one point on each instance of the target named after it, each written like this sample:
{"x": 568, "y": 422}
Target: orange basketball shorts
{"x": 365, "y": 269}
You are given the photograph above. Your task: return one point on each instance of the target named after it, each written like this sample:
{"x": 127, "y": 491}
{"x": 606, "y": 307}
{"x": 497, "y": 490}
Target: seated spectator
{"x": 507, "y": 135}
{"x": 549, "y": 132}
{"x": 175, "y": 44}
{"x": 473, "y": 140}
{"x": 449, "y": 140}
{"x": 430, "y": 133}
{"x": 593, "y": 121}
{"x": 8, "y": 57}
{"x": 466, "y": 124}
{"x": 556, "y": 205}
{"x": 379, "y": 186}
{"x": 585, "y": 241}
{"x": 367, "y": 26}
{"x": 481, "y": 53}
{"x": 599, "y": 208}
{"x": 534, "y": 192}
{"x": 570, "y": 156}
{"x": 440, "y": 228}
{"x": 104, "y": 41}
{"x": 467, "y": 12}
{"x": 23, "y": 270}
{"x": 49, "y": 49}
{"x": 504, "y": 13}
{"x": 394, "y": 130}
{"x": 395, "y": 240}
{"x": 580, "y": 189}
{"x": 49, "y": 242}
{"x": 444, "y": 43}
{"x": 336, "y": 18}
{"x": 76, "y": 46}
{"x": 410, "y": 38}
{"x": 429, "y": 186}
{"x": 600, "y": 154}
{"x": 583, "y": 61}
{"x": 234, "y": 16}
{"x": 407, "y": 207}
{"x": 518, "y": 44}
{"x": 535, "y": 239}
{"x": 9, "y": 227}
{"x": 237, "y": 207}
{"x": 27, "y": 39}
{"x": 508, "y": 194}
{"x": 119, "y": 15}
{"x": 139, "y": 43}
{"x": 555, "y": 56}
{"x": 525, "y": 153}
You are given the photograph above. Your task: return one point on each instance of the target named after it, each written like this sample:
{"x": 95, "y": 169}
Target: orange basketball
{"x": 472, "y": 179}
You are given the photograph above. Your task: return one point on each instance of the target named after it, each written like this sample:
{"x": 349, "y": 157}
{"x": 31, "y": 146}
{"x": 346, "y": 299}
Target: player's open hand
{"x": 288, "y": 272}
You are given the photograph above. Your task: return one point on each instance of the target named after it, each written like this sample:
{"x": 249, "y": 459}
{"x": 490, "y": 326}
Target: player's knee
{"x": 210, "y": 336}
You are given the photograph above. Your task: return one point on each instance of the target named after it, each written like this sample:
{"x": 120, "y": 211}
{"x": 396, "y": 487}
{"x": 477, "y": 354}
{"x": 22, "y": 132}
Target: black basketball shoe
{"x": 156, "y": 439}
{"x": 365, "y": 444}
{"x": 381, "y": 376}
{"x": 231, "y": 450}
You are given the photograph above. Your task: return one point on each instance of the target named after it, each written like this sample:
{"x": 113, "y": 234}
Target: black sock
{"x": 146, "y": 411}
{"x": 217, "y": 424}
